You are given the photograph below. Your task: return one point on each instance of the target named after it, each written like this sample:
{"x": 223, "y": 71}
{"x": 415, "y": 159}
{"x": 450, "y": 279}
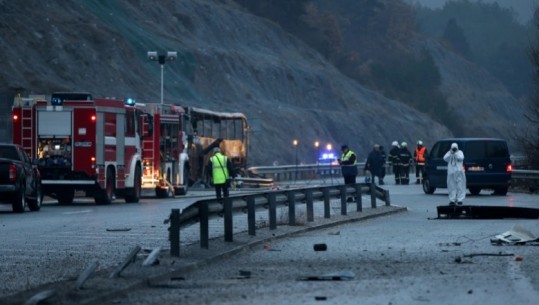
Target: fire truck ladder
{"x": 149, "y": 155}
{"x": 26, "y": 132}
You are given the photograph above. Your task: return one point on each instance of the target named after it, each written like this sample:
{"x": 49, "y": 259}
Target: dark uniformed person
{"x": 405, "y": 159}
{"x": 393, "y": 159}
{"x": 348, "y": 165}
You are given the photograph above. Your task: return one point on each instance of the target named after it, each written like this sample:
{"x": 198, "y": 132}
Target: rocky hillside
{"x": 229, "y": 60}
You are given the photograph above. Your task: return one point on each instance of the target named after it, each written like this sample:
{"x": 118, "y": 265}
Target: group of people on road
{"x": 220, "y": 168}
{"x": 401, "y": 159}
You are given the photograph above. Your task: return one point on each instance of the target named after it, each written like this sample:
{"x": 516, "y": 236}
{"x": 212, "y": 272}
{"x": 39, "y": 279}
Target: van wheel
{"x": 475, "y": 190}
{"x": 35, "y": 204}
{"x": 501, "y": 191}
{"x": 18, "y": 201}
{"x": 427, "y": 188}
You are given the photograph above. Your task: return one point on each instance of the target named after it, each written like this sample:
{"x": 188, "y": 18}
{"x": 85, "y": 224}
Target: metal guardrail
{"x": 525, "y": 174}
{"x": 202, "y": 210}
{"x": 306, "y": 171}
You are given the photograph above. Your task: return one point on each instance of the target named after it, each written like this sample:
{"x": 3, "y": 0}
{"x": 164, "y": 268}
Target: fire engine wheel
{"x": 183, "y": 190}
{"x": 104, "y": 197}
{"x": 66, "y": 197}
{"x": 35, "y": 204}
{"x": 132, "y": 195}
{"x": 19, "y": 200}
{"x": 163, "y": 192}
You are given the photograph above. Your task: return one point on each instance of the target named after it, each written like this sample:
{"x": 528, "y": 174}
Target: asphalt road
{"x": 407, "y": 258}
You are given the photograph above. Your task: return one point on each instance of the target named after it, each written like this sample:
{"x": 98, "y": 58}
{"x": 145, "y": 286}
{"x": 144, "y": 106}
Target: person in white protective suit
{"x": 456, "y": 178}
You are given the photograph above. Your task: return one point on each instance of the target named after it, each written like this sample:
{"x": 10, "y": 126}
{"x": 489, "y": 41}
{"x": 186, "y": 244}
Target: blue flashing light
{"x": 130, "y": 101}
{"x": 56, "y": 101}
{"x": 327, "y": 156}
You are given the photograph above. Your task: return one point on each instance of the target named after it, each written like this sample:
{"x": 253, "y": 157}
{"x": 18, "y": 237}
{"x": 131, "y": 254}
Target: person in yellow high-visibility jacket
{"x": 220, "y": 170}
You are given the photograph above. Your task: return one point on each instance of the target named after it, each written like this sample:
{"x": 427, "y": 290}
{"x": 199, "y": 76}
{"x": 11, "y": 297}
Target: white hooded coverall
{"x": 456, "y": 178}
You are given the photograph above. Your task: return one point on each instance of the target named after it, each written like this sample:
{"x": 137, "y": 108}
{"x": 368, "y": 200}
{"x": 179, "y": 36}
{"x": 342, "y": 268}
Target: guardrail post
{"x": 359, "y": 203}
{"x": 326, "y": 203}
{"x": 291, "y": 196}
{"x": 309, "y": 202}
{"x": 174, "y": 233}
{"x": 228, "y": 219}
{"x": 203, "y": 213}
{"x": 387, "y": 199}
{"x": 251, "y": 215}
{"x": 272, "y": 210}
{"x": 373, "y": 193}
{"x": 342, "y": 188}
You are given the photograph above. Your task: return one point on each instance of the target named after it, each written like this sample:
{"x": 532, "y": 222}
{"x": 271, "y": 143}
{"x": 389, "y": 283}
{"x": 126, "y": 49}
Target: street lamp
{"x": 295, "y": 143}
{"x": 317, "y": 159}
{"x": 162, "y": 58}
{"x": 329, "y": 147}
{"x": 317, "y": 145}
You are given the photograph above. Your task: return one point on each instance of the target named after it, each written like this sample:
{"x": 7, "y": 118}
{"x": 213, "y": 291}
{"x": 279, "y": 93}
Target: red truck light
{"x": 12, "y": 173}
{"x": 93, "y": 118}
{"x": 15, "y": 117}
{"x": 509, "y": 168}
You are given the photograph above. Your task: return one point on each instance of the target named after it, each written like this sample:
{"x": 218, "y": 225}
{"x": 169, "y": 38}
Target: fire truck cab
{"x": 82, "y": 143}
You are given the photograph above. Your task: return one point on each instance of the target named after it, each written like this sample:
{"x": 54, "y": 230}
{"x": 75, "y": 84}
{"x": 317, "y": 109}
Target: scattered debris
{"x": 40, "y": 297}
{"x": 131, "y": 258}
{"x": 488, "y": 254}
{"x": 518, "y": 258}
{"x": 244, "y": 274}
{"x": 516, "y": 236}
{"x": 485, "y": 212}
{"x": 119, "y": 230}
{"x": 320, "y": 298}
{"x": 85, "y": 275}
{"x": 153, "y": 258}
{"x": 267, "y": 247}
{"x": 459, "y": 260}
{"x": 335, "y": 276}
{"x": 450, "y": 244}
{"x": 335, "y": 233}
{"x": 320, "y": 247}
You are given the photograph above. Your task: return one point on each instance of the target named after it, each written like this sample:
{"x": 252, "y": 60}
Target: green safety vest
{"x": 347, "y": 156}
{"x": 219, "y": 168}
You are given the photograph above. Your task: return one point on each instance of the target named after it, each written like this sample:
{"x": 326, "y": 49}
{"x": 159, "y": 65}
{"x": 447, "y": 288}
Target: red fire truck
{"x": 178, "y": 141}
{"x": 165, "y": 162}
{"x": 82, "y": 144}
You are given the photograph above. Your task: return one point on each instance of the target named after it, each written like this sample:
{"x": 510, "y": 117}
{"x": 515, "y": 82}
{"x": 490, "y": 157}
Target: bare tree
{"x": 530, "y": 142}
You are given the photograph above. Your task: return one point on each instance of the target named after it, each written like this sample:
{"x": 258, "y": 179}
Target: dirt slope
{"x": 229, "y": 60}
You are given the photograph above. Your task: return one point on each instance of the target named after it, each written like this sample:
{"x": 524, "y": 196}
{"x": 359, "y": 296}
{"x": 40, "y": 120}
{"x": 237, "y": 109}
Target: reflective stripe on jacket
{"x": 348, "y": 168}
{"x": 219, "y": 169}
{"x": 346, "y": 156}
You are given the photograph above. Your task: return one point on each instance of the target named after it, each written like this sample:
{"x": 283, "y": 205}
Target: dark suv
{"x": 486, "y": 161}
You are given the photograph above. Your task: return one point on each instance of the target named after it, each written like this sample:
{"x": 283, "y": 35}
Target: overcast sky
{"x": 523, "y": 8}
